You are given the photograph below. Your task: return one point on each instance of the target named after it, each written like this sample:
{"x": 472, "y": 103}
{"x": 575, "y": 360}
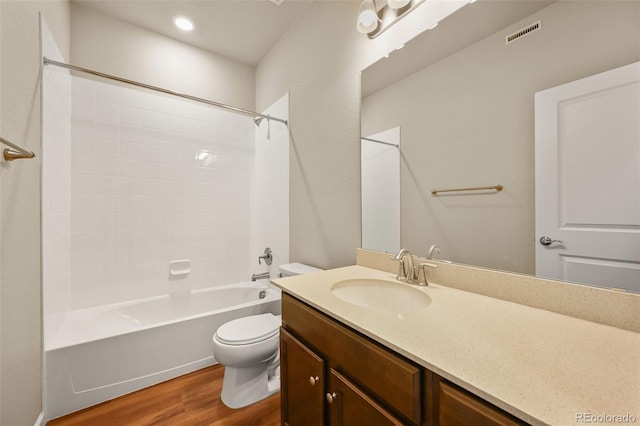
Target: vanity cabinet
{"x": 333, "y": 375}
{"x": 453, "y": 406}
{"x": 305, "y": 396}
{"x": 360, "y": 380}
{"x": 302, "y": 375}
{"x": 350, "y": 405}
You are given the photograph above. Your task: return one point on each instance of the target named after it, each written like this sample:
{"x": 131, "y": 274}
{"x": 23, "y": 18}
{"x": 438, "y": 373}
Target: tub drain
{"x": 262, "y": 294}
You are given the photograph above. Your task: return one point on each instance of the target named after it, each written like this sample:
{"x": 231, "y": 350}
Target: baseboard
{"x": 40, "y": 420}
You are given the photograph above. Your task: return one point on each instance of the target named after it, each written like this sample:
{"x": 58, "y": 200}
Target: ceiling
{"x": 242, "y": 30}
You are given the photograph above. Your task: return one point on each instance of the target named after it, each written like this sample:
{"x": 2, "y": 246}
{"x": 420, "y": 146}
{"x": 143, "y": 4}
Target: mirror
{"x": 464, "y": 100}
{"x": 380, "y": 185}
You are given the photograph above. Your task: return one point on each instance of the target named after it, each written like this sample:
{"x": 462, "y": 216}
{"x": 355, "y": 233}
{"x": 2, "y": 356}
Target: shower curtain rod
{"x": 48, "y": 61}
{"x": 382, "y": 142}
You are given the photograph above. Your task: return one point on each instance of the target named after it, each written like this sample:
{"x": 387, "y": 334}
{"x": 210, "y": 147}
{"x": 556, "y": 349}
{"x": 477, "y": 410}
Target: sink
{"x": 381, "y": 295}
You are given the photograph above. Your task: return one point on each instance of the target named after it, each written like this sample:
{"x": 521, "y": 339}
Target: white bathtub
{"x": 104, "y": 352}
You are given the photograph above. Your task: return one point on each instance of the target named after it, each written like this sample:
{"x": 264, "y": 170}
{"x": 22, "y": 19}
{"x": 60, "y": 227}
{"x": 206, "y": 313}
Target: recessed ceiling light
{"x": 182, "y": 22}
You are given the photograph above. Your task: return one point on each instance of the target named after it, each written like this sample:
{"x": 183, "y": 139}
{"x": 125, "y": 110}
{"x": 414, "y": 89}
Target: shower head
{"x": 258, "y": 120}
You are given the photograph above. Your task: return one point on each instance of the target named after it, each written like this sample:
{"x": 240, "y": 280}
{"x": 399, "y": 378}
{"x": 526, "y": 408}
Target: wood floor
{"x": 190, "y": 400}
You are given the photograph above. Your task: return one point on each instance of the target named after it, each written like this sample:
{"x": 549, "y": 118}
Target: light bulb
{"x": 367, "y": 17}
{"x": 182, "y": 22}
{"x": 398, "y": 4}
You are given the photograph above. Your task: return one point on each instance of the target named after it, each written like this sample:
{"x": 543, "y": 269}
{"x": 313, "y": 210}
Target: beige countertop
{"x": 543, "y": 367}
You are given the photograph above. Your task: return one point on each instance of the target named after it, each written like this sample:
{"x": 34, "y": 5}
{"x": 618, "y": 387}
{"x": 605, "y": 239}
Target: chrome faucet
{"x": 434, "y": 249}
{"x": 406, "y": 271}
{"x": 260, "y": 276}
{"x": 409, "y": 272}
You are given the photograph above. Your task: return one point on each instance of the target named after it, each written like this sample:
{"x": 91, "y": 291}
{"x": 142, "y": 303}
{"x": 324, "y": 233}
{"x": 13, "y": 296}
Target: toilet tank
{"x": 291, "y": 269}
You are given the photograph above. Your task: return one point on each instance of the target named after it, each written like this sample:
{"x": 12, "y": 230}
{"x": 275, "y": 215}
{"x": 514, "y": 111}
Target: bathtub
{"x": 104, "y": 352}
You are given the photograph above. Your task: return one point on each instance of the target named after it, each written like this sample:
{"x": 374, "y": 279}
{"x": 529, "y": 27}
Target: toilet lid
{"x": 251, "y": 329}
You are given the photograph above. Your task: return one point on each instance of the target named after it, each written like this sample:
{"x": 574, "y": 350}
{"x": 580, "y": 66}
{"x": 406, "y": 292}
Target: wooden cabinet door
{"x": 350, "y": 406}
{"x": 458, "y": 408}
{"x": 303, "y": 382}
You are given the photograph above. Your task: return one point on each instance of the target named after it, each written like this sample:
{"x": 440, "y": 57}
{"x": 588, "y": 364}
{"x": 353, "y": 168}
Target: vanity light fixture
{"x": 182, "y": 22}
{"x": 398, "y": 4}
{"x": 374, "y": 22}
{"x": 367, "y": 17}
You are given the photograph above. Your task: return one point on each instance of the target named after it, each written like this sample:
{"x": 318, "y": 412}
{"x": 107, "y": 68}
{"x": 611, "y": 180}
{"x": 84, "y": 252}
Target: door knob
{"x": 330, "y": 397}
{"x": 313, "y": 380}
{"x": 547, "y": 241}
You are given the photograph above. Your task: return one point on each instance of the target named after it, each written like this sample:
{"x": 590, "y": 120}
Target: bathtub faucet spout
{"x": 261, "y": 276}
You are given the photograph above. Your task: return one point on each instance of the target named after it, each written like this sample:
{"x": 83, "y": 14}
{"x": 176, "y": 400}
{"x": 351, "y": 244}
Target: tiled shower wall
{"x": 154, "y": 179}
{"x": 271, "y": 200}
{"x": 56, "y": 199}
{"x": 380, "y": 174}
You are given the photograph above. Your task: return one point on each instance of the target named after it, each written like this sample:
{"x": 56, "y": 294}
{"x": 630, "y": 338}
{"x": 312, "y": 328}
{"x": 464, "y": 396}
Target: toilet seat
{"x": 247, "y": 330}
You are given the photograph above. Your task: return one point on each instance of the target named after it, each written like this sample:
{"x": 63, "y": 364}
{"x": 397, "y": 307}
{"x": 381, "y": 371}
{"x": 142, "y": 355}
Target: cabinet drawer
{"x": 457, "y": 407}
{"x": 383, "y": 374}
{"x": 350, "y": 406}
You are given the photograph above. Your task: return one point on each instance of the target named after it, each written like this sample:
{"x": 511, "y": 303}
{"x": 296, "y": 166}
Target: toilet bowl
{"x": 249, "y": 349}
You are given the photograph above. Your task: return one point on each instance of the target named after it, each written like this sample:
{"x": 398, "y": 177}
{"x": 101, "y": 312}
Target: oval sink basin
{"x": 381, "y": 295}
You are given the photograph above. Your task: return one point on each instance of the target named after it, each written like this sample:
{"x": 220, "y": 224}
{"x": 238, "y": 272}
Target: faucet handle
{"x": 402, "y": 272}
{"x": 422, "y": 273}
{"x": 267, "y": 256}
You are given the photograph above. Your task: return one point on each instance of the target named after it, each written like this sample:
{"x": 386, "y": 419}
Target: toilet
{"x": 249, "y": 349}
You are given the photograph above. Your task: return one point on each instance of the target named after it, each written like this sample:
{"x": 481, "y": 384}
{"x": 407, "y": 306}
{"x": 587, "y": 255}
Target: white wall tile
{"x": 130, "y": 97}
{"x": 83, "y": 87}
{"x": 129, "y": 151}
{"x": 130, "y": 133}
{"x": 106, "y": 111}
{"x": 109, "y": 148}
{"x": 106, "y": 92}
{"x": 56, "y": 163}
{"x": 153, "y": 179}
{"x": 271, "y": 199}
{"x": 83, "y": 106}
{"x": 105, "y": 130}
{"x": 129, "y": 115}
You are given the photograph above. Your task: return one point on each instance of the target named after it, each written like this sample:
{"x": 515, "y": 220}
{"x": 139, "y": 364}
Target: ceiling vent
{"x": 523, "y": 32}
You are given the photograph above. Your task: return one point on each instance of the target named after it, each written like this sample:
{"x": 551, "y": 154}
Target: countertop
{"x": 545, "y": 368}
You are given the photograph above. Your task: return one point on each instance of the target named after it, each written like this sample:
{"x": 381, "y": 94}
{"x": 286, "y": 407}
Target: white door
{"x": 587, "y": 143}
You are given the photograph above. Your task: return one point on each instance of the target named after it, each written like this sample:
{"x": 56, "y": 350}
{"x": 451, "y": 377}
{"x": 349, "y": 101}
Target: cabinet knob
{"x": 314, "y": 380}
{"x": 330, "y": 397}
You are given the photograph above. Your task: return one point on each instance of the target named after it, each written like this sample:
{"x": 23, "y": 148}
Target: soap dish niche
{"x": 179, "y": 268}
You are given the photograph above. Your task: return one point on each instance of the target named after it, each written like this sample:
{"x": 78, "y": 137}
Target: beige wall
{"x": 112, "y": 46}
{"x": 468, "y": 120}
{"x": 20, "y": 297}
{"x": 318, "y": 60}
